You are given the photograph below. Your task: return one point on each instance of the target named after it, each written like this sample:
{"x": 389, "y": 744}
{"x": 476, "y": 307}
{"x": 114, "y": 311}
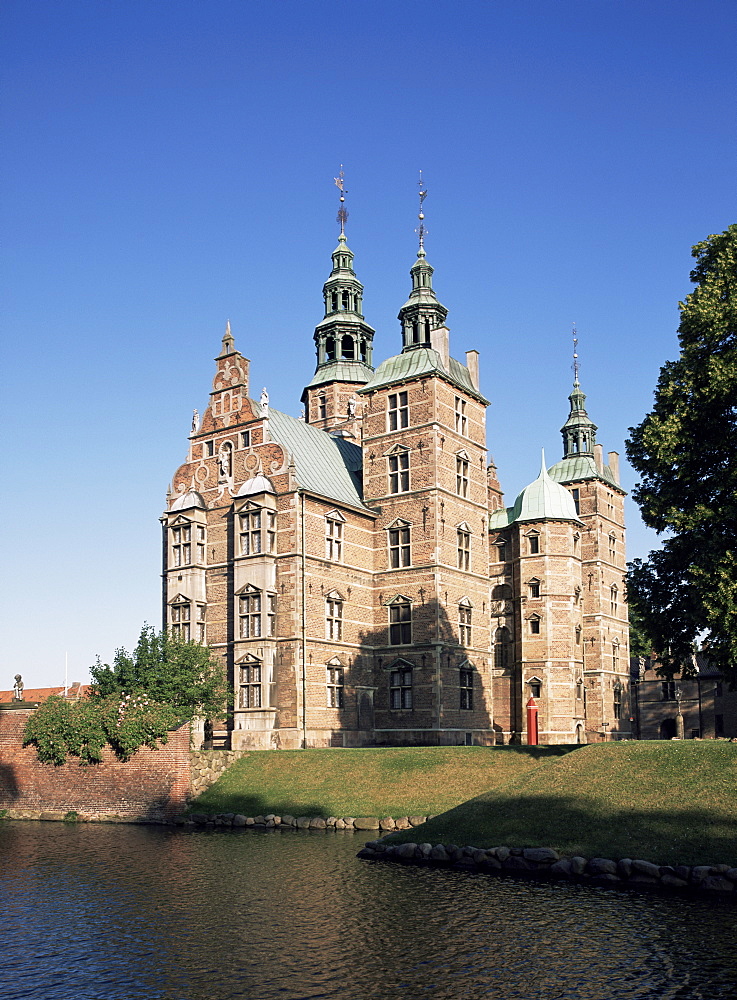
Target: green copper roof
{"x": 342, "y": 371}
{"x": 579, "y": 467}
{"x": 422, "y": 361}
{"x": 542, "y": 500}
{"x": 325, "y": 465}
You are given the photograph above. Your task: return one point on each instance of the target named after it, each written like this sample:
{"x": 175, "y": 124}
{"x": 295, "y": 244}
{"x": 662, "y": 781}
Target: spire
{"x": 421, "y": 313}
{"x": 579, "y": 432}
{"x": 343, "y": 335}
{"x": 228, "y": 341}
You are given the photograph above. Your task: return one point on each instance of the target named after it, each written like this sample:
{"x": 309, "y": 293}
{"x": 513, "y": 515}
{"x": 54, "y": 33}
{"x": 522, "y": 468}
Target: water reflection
{"x": 116, "y": 913}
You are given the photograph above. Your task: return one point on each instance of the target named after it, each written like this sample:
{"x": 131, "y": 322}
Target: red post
{"x": 531, "y": 723}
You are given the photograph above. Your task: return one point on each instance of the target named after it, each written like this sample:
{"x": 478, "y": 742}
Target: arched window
{"x": 348, "y": 348}
{"x": 330, "y": 348}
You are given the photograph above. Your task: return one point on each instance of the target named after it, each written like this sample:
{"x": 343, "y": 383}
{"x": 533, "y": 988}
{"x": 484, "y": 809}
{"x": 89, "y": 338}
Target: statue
{"x": 195, "y": 421}
{"x": 18, "y": 688}
{"x": 225, "y": 463}
{"x": 264, "y": 401}
{"x": 351, "y": 408}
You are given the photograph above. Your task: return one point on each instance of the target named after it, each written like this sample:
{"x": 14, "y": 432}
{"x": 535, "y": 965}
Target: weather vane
{"x": 342, "y": 216}
{"x": 421, "y": 231}
{"x": 575, "y": 356}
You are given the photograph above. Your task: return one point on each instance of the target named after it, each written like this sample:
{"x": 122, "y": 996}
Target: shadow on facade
{"x": 9, "y": 791}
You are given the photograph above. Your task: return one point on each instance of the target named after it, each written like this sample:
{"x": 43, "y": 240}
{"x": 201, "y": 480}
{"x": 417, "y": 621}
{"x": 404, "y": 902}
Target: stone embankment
{"x": 544, "y": 862}
{"x": 271, "y": 820}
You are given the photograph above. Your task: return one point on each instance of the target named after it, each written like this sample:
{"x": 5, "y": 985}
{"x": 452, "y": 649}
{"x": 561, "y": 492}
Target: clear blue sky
{"x": 168, "y": 165}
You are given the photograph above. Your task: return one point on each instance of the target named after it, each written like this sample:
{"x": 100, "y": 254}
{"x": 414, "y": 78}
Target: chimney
{"x": 472, "y": 363}
{"x": 599, "y": 457}
{"x": 439, "y": 339}
{"x": 613, "y": 458}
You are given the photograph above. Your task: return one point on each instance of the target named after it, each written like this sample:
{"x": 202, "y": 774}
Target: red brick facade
{"x": 153, "y": 785}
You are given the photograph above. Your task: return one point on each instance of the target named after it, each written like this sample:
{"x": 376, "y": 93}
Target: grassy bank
{"x": 666, "y": 802}
{"x": 412, "y": 781}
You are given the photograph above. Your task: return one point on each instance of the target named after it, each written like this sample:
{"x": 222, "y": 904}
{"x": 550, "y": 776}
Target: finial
{"x": 421, "y": 231}
{"x": 575, "y": 357}
{"x": 342, "y": 217}
{"x": 228, "y": 342}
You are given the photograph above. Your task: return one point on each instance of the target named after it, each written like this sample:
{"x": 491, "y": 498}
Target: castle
{"x": 357, "y": 570}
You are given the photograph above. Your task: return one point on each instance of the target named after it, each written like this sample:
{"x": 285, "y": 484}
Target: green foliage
{"x": 61, "y": 729}
{"x": 170, "y": 671}
{"x": 71, "y": 817}
{"x": 134, "y": 703}
{"x": 686, "y": 453}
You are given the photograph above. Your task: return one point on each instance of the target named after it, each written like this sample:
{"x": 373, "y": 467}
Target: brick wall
{"x": 152, "y": 785}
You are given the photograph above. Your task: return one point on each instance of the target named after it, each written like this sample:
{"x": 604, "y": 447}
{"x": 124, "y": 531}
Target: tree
{"x": 170, "y": 671}
{"x": 686, "y": 453}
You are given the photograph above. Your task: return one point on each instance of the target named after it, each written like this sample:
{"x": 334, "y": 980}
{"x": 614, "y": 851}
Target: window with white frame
{"x": 270, "y": 615}
{"x": 464, "y": 622}
{"x": 399, "y": 472}
{"x": 181, "y": 545}
{"x": 334, "y": 538}
{"x": 250, "y": 531}
{"x": 466, "y": 686}
{"x": 250, "y": 684}
{"x": 613, "y": 598}
{"x": 400, "y": 686}
{"x": 180, "y": 615}
{"x": 334, "y": 617}
{"x": 245, "y": 439}
{"x": 400, "y": 622}
{"x": 461, "y": 420}
{"x": 249, "y": 613}
{"x": 397, "y": 411}
{"x": 464, "y": 547}
{"x": 335, "y": 680}
{"x": 462, "y": 475}
{"x": 200, "y": 623}
{"x": 200, "y": 534}
{"x": 612, "y": 546}
{"x": 399, "y": 545}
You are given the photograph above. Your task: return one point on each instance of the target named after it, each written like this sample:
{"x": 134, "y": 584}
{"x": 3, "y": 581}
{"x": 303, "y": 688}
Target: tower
{"x": 343, "y": 342}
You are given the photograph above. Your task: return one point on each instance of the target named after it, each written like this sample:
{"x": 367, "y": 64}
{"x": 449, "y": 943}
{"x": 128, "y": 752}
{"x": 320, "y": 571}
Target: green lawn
{"x": 666, "y": 802}
{"x": 411, "y": 781}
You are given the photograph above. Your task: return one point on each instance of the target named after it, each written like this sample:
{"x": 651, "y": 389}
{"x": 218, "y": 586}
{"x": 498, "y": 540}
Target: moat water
{"x": 121, "y": 912}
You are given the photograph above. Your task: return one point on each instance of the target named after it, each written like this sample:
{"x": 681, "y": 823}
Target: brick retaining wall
{"x": 153, "y": 785}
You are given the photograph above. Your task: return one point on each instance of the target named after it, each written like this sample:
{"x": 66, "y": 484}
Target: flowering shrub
{"x": 126, "y": 722}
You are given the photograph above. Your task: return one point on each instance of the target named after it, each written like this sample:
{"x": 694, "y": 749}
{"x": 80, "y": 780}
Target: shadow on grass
{"x": 663, "y": 836}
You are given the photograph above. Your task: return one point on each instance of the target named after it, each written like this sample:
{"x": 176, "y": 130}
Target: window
{"x": 180, "y": 621}
{"x": 334, "y": 618}
{"x": 333, "y": 539}
{"x": 579, "y": 689}
{"x": 536, "y": 686}
{"x": 322, "y": 406}
{"x": 400, "y": 622}
{"x": 200, "y": 543}
{"x": 613, "y": 596}
{"x": 534, "y": 588}
{"x": 399, "y": 547}
{"x": 578, "y": 635}
{"x": 615, "y": 655}
{"x": 502, "y": 592}
{"x": 464, "y": 623}
{"x": 201, "y": 614}
{"x": 617, "y": 701}
{"x": 245, "y": 439}
{"x": 252, "y": 522}
{"x": 502, "y": 648}
{"x": 466, "y": 685}
{"x": 576, "y": 494}
{"x": 533, "y": 544}
{"x": 250, "y": 685}
{"x": 335, "y": 686}
{"x": 398, "y": 411}
{"x": 612, "y": 546}
{"x": 400, "y": 687}
{"x": 271, "y": 614}
{"x": 181, "y": 545}
{"x": 668, "y": 690}
{"x": 461, "y": 421}
{"x": 501, "y": 551}
{"x": 719, "y": 725}
{"x": 209, "y": 448}
{"x": 461, "y": 476}
{"x": 399, "y": 472}
{"x": 249, "y": 612}
{"x": 534, "y": 625}
{"x": 464, "y": 548}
